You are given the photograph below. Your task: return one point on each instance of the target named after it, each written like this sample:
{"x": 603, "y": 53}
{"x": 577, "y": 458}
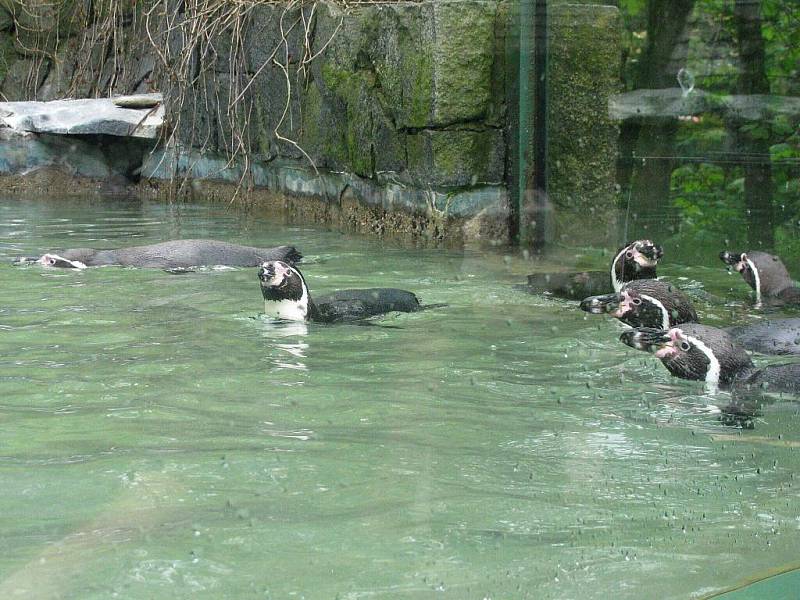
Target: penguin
{"x": 658, "y": 304}
{"x": 174, "y": 254}
{"x": 702, "y": 353}
{"x": 693, "y": 351}
{"x": 766, "y": 274}
{"x": 644, "y": 303}
{"x": 286, "y": 296}
{"x": 635, "y": 260}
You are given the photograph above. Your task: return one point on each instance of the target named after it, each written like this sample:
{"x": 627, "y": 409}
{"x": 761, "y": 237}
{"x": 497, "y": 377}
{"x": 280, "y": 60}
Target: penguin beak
{"x": 598, "y": 305}
{"x": 647, "y": 339}
{"x": 25, "y": 260}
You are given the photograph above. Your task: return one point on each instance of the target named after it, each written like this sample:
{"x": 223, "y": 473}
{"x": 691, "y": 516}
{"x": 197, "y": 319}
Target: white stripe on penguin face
{"x": 617, "y": 283}
{"x": 712, "y": 374}
{"x": 661, "y": 307}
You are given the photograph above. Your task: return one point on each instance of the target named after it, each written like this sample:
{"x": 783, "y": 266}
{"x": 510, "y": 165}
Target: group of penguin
{"x": 664, "y": 321}
{"x": 662, "y": 317}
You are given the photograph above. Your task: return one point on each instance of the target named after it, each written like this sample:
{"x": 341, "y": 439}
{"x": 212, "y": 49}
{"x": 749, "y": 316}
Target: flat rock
{"x": 138, "y": 116}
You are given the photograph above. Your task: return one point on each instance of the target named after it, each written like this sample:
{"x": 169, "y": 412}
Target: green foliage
{"x": 707, "y": 184}
{"x": 634, "y": 17}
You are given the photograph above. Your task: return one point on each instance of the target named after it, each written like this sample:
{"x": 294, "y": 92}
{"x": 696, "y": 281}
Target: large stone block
{"x": 6, "y": 18}
{"x": 463, "y": 54}
{"x": 385, "y": 71}
{"x": 343, "y": 111}
{"x": 7, "y": 54}
{"x": 455, "y": 158}
{"x": 583, "y": 74}
{"x": 41, "y": 24}
{"x": 323, "y": 128}
{"x": 275, "y": 121}
{"x": 401, "y": 55}
{"x": 280, "y": 32}
{"x": 434, "y": 60}
{"x": 60, "y": 78}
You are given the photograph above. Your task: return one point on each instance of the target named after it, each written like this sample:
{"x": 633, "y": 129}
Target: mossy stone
{"x": 583, "y": 74}
{"x": 455, "y": 158}
{"x": 463, "y": 55}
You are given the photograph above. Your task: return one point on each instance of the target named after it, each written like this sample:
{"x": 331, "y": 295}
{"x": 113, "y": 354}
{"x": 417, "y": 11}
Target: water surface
{"x": 162, "y": 439}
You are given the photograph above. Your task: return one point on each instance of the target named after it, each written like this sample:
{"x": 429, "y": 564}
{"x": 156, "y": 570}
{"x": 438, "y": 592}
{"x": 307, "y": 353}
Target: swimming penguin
{"x": 644, "y": 303}
{"x": 765, "y": 273}
{"x": 286, "y": 296}
{"x": 703, "y": 353}
{"x": 175, "y": 254}
{"x": 658, "y": 304}
{"x": 635, "y": 260}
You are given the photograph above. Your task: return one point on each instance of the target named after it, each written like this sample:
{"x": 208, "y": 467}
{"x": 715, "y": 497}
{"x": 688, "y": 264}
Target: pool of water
{"x": 161, "y": 439}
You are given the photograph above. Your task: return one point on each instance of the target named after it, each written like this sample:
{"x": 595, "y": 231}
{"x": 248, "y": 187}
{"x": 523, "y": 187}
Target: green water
{"x": 161, "y": 440}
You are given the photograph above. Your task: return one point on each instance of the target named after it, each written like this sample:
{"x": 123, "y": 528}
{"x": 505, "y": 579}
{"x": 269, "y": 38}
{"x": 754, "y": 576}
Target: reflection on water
{"x": 275, "y": 330}
{"x": 163, "y": 438}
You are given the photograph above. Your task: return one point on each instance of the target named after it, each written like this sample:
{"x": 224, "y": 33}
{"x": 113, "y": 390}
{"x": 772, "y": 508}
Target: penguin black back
{"x": 635, "y": 260}
{"x": 286, "y": 296}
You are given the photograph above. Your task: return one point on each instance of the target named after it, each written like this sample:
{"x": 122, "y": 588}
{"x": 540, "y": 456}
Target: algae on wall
{"x": 401, "y": 104}
{"x": 583, "y": 73}
{"x": 402, "y": 97}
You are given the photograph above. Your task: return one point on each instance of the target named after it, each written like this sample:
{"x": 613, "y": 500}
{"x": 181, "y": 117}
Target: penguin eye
{"x": 636, "y": 301}
{"x": 629, "y": 254}
{"x": 685, "y": 346}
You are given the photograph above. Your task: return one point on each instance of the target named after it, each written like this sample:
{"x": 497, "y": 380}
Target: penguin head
{"x": 284, "y": 290}
{"x": 604, "y": 304}
{"x": 644, "y": 253}
{"x": 693, "y": 351}
{"x": 763, "y": 272}
{"x": 741, "y": 263}
{"x": 630, "y": 307}
{"x": 644, "y": 303}
{"x": 54, "y": 260}
{"x": 635, "y": 260}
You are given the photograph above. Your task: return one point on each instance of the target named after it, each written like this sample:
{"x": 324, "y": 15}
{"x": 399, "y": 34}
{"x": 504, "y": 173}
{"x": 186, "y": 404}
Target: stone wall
{"x": 400, "y": 106}
{"x": 583, "y": 73}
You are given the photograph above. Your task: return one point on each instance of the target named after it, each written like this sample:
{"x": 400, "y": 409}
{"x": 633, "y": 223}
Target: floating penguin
{"x": 703, "y": 353}
{"x": 286, "y": 296}
{"x": 175, "y": 254}
{"x": 635, "y": 260}
{"x": 644, "y": 303}
{"x": 766, "y": 274}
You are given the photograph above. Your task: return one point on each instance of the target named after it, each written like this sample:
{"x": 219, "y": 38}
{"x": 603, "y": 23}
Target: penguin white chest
{"x": 291, "y": 310}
